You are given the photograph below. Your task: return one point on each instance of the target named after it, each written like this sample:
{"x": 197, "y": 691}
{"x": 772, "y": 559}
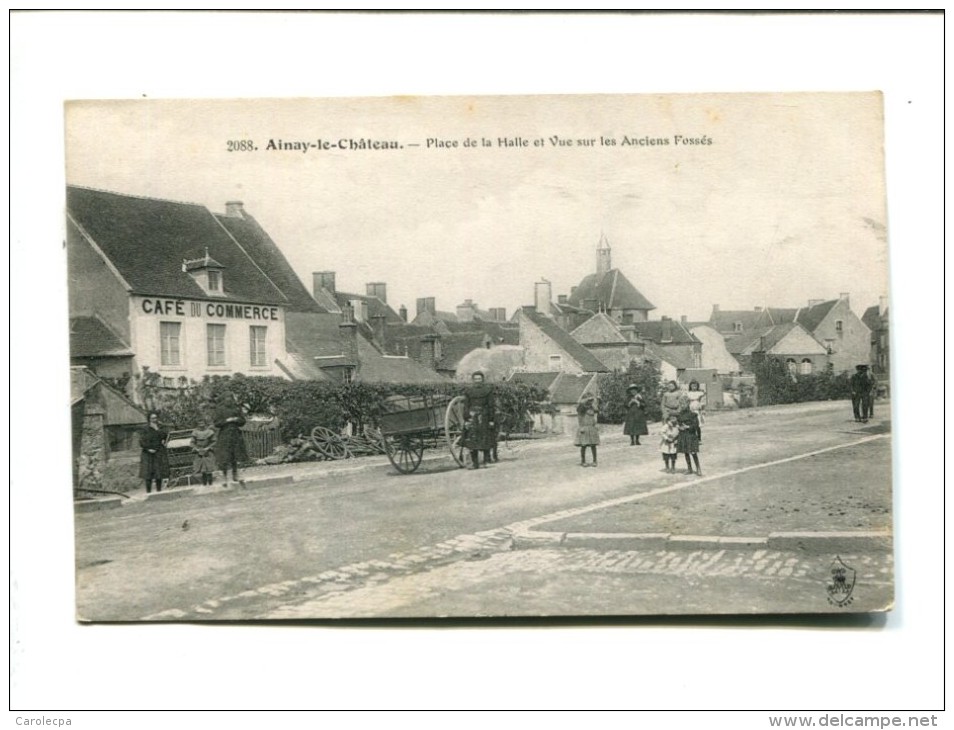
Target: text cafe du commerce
{"x": 192, "y": 338}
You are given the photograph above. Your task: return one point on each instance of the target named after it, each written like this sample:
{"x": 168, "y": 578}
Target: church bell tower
{"x": 603, "y": 261}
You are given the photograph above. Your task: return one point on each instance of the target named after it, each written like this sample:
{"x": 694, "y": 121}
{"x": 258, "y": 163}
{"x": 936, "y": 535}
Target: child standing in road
{"x": 667, "y": 443}
{"x": 689, "y": 438}
{"x": 587, "y": 433}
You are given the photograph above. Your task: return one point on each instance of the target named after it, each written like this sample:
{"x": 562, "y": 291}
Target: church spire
{"x": 603, "y": 258}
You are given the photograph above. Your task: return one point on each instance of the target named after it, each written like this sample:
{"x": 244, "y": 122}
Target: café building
{"x": 167, "y": 287}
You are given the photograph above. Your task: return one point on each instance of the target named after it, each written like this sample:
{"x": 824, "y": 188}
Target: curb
{"x": 787, "y": 541}
{"x": 95, "y": 505}
{"x": 174, "y": 493}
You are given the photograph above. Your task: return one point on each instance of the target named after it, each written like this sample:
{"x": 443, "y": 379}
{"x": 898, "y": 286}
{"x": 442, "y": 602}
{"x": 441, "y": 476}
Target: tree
{"x": 613, "y": 391}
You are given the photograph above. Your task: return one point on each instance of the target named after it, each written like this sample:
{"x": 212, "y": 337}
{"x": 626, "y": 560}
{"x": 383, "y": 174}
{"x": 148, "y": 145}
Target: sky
{"x": 781, "y": 198}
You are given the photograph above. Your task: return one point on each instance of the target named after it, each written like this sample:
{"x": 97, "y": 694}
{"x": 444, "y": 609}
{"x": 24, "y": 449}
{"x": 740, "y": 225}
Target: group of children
{"x": 681, "y": 430}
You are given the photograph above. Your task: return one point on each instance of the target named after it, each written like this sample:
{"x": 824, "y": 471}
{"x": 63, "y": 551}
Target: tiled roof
{"x": 378, "y": 368}
{"x": 300, "y": 367}
{"x": 506, "y": 334}
{"x": 586, "y": 360}
{"x": 598, "y": 329}
{"x": 313, "y": 335}
{"x": 89, "y": 337}
{"x": 724, "y": 320}
{"x": 541, "y": 380}
{"x": 781, "y": 315}
{"x": 765, "y": 339}
{"x": 376, "y": 307}
{"x": 678, "y": 358}
{"x": 653, "y": 331}
{"x": 455, "y": 347}
{"x": 811, "y": 317}
{"x": 146, "y": 240}
{"x": 612, "y": 290}
{"x": 873, "y": 319}
{"x": 253, "y": 238}
{"x": 569, "y": 388}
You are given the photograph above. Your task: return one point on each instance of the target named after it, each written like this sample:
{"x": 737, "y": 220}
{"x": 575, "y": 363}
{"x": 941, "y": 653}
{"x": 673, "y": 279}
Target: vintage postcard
{"x": 525, "y": 356}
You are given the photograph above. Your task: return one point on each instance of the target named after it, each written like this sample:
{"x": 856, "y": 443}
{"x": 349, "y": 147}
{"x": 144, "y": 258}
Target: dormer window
{"x": 207, "y": 273}
{"x": 738, "y": 326}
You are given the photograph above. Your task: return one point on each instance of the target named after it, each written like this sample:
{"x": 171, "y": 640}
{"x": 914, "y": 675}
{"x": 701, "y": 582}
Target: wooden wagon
{"x": 409, "y": 424}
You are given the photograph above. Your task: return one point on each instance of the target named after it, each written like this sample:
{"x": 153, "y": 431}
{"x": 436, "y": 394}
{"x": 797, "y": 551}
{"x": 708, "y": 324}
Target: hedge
{"x": 300, "y": 405}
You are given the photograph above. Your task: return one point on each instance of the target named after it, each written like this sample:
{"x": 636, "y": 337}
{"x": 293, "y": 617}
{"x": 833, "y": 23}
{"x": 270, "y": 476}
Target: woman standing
{"x": 230, "y": 446}
{"x": 480, "y": 427}
{"x": 203, "y": 445}
{"x": 154, "y": 459}
{"x": 587, "y": 434}
{"x": 635, "y": 424}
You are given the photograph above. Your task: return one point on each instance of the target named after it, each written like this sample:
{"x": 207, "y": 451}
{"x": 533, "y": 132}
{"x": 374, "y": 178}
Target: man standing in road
{"x": 860, "y": 385}
{"x": 230, "y": 445}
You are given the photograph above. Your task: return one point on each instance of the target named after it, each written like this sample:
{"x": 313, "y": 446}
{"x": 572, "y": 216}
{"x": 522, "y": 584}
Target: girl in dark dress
{"x": 635, "y": 424}
{"x": 690, "y": 436}
{"x": 587, "y": 432}
{"x": 230, "y": 445}
{"x": 154, "y": 459}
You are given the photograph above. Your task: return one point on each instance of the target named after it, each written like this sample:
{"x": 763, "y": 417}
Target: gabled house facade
{"x": 602, "y": 336}
{"x": 176, "y": 291}
{"x": 549, "y": 348}
{"x": 876, "y": 320}
{"x": 789, "y": 343}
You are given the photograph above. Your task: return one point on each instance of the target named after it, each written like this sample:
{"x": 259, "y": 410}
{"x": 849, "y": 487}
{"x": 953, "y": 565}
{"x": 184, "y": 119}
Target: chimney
{"x": 843, "y": 295}
{"x": 429, "y": 351}
{"x": 758, "y": 309}
{"x": 403, "y": 312}
{"x": 348, "y": 332}
{"x": 882, "y": 306}
{"x": 323, "y": 280}
{"x": 572, "y": 290}
{"x": 377, "y": 289}
{"x": 684, "y": 320}
{"x": 542, "y": 296}
{"x": 465, "y": 311}
{"x": 562, "y": 299}
{"x": 360, "y": 307}
{"x": 666, "y": 335}
{"x": 426, "y": 304}
{"x": 234, "y": 209}
{"x": 500, "y": 314}
{"x": 379, "y": 327}
{"x": 715, "y": 308}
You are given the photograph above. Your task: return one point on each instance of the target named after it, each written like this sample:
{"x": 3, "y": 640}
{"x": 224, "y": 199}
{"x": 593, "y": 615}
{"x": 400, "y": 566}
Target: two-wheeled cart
{"x": 410, "y": 424}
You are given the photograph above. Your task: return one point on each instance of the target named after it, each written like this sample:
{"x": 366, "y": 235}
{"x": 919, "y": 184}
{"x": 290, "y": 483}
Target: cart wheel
{"x": 376, "y": 441}
{"x": 405, "y": 452}
{"x": 454, "y": 428}
{"x": 329, "y": 444}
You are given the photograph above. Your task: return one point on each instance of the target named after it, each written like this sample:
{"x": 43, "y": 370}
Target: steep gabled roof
{"x": 586, "y": 360}
{"x": 811, "y": 317}
{"x": 678, "y": 358}
{"x": 146, "y": 240}
{"x": 378, "y": 368}
{"x": 873, "y": 318}
{"x": 271, "y": 260}
{"x": 653, "y": 332}
{"x": 90, "y": 337}
{"x": 506, "y": 334}
{"x": 781, "y": 315}
{"x": 611, "y": 290}
{"x": 598, "y": 329}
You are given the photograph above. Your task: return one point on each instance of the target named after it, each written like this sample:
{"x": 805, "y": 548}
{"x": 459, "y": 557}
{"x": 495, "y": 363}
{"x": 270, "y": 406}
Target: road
{"x": 790, "y": 494}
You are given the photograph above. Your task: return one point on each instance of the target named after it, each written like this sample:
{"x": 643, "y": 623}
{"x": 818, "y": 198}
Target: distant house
{"x": 602, "y": 336}
{"x": 876, "y": 319}
{"x": 715, "y": 355}
{"x": 566, "y": 390}
{"x": 549, "y": 348}
{"x": 671, "y": 341}
{"x": 831, "y": 322}
{"x": 789, "y": 343}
